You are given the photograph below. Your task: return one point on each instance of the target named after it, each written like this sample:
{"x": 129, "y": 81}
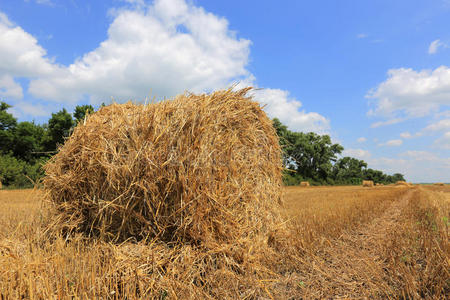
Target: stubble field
{"x": 381, "y": 242}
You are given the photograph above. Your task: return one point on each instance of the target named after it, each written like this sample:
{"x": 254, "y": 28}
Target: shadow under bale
{"x": 198, "y": 169}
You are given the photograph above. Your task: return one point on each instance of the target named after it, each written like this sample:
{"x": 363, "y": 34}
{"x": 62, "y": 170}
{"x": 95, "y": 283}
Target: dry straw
{"x": 367, "y": 183}
{"x": 402, "y": 183}
{"x": 304, "y": 183}
{"x": 202, "y": 169}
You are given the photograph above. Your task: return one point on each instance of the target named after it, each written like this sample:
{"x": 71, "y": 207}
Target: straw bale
{"x": 367, "y": 183}
{"x": 304, "y": 183}
{"x": 200, "y": 169}
{"x": 437, "y": 183}
{"x": 402, "y": 183}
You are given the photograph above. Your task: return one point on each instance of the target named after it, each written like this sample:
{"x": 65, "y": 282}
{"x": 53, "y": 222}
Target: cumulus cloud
{"x": 22, "y": 108}
{"x": 167, "y": 47}
{"x": 361, "y": 140}
{"x": 279, "y": 104}
{"x": 392, "y": 143}
{"x": 9, "y": 88}
{"x": 21, "y": 55}
{"x": 357, "y": 153}
{"x": 417, "y": 166}
{"x": 158, "y": 50}
{"x": 408, "y": 93}
{"x": 438, "y": 126}
{"x": 433, "y": 128}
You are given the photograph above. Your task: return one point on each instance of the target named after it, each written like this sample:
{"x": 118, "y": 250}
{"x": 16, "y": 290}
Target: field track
{"x": 348, "y": 265}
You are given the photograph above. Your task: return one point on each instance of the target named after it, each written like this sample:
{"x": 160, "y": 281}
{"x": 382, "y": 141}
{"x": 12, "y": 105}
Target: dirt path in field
{"x": 353, "y": 264}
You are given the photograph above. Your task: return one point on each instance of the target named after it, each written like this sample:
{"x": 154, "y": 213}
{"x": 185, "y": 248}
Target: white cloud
{"x": 419, "y": 155}
{"x": 443, "y": 142}
{"x": 438, "y": 126}
{"x": 357, "y": 153}
{"x": 279, "y": 104}
{"x": 362, "y": 35}
{"x": 408, "y": 93}
{"x": 21, "y": 55}
{"x": 9, "y": 88}
{"x": 23, "y": 108}
{"x": 406, "y": 135}
{"x": 434, "y": 46}
{"x": 361, "y": 140}
{"x": 164, "y": 49}
{"x": 392, "y": 143}
{"x": 388, "y": 122}
{"x": 417, "y": 166}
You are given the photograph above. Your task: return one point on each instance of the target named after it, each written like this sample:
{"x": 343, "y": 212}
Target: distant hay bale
{"x": 379, "y": 184}
{"x": 304, "y": 183}
{"x": 402, "y": 183}
{"x": 199, "y": 169}
{"x": 367, "y": 183}
{"x": 0, "y": 185}
{"x": 437, "y": 183}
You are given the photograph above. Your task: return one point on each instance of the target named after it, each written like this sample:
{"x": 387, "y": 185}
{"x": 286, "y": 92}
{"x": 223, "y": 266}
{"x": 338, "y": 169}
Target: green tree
{"x": 11, "y": 170}
{"x": 313, "y": 157}
{"x": 349, "y": 170}
{"x": 7, "y": 125}
{"x": 81, "y": 111}
{"x": 374, "y": 175}
{"x": 59, "y": 127}
{"x": 397, "y": 177}
{"x": 309, "y": 154}
{"x": 28, "y": 141}
{"x": 312, "y": 154}
{"x": 283, "y": 136}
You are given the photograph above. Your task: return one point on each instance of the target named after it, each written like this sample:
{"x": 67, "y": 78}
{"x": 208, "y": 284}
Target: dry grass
{"x": 402, "y": 183}
{"x": 346, "y": 242}
{"x": 367, "y": 183}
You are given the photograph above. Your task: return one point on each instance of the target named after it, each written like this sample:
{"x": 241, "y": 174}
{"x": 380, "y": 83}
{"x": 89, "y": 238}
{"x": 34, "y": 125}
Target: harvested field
{"x": 347, "y": 242}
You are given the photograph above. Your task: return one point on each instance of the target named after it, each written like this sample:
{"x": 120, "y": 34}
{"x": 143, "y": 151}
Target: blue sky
{"x": 375, "y": 75}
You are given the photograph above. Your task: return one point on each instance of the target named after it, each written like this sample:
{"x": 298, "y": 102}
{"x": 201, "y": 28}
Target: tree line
{"x": 314, "y": 158}
{"x": 26, "y": 146}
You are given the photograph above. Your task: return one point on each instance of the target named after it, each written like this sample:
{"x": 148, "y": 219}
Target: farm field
{"x": 380, "y": 242}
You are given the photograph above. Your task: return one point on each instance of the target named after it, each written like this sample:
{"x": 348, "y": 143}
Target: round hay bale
{"x": 367, "y": 183}
{"x": 304, "y": 183}
{"x": 197, "y": 169}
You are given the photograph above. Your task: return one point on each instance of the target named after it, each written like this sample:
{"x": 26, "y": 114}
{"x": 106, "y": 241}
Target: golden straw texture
{"x": 201, "y": 169}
